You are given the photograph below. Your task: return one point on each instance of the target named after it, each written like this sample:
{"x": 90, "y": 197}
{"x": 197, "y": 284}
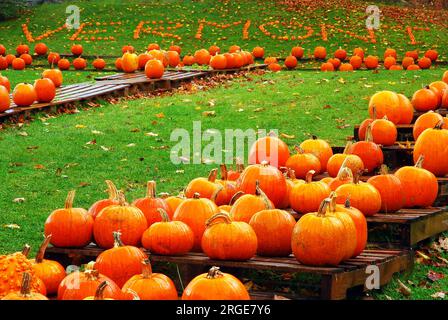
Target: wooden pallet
{"x": 68, "y": 94}
{"x": 334, "y": 284}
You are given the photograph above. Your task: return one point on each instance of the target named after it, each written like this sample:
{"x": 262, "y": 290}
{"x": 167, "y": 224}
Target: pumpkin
{"x": 45, "y": 90}
{"x": 49, "y": 271}
{"x": 420, "y": 186}
{"x": 4, "y": 99}
{"x": 396, "y": 67}
{"x": 425, "y": 99}
{"x": 445, "y": 77}
{"x": 76, "y": 49}
{"x": 273, "y": 228}
{"x": 406, "y": 110}
{"x": 53, "y": 58}
{"x": 149, "y": 204}
{"x": 99, "y": 64}
{"x": 227, "y": 190}
{"x": 320, "y": 53}
{"x": 413, "y": 67}
{"x": 244, "y": 207}
{"x": 407, "y": 61}
{"x": 234, "y": 48}
{"x": 80, "y": 63}
{"x": 9, "y": 58}
{"x": 154, "y": 69}
{"x": 218, "y": 62}
{"x": 274, "y": 67}
{"x": 2, "y": 50}
{"x": 173, "y": 201}
{"x": 389, "y": 52}
{"x": 224, "y": 239}
{"x": 168, "y": 237}
{"x": 64, "y": 64}
{"x": 440, "y": 88}
{"x": 290, "y": 62}
{"x": 303, "y": 162}
{"x": 269, "y": 148}
{"x": 40, "y": 49}
{"x": 69, "y": 227}
{"x": 271, "y": 181}
{"x": 119, "y": 64}
{"x": 96, "y": 208}
{"x": 143, "y": 58}
{"x": 270, "y": 60}
{"x": 320, "y": 148}
{"x": 371, "y": 62}
{"x": 121, "y": 262}
{"x": 129, "y": 220}
{"x": 335, "y": 62}
{"x": 384, "y": 132}
{"x": 433, "y": 145}
{"x": 306, "y": 197}
{"x": 233, "y": 175}
{"x": 3, "y": 63}
{"x": 425, "y": 121}
{"x": 87, "y": 283}
{"x": 175, "y": 48}
{"x": 25, "y": 292}
{"x": 151, "y": 286}
{"x": 18, "y": 64}
{"x": 297, "y": 52}
{"x": 389, "y": 62}
{"x": 195, "y": 212}
{"x": 291, "y": 181}
{"x": 24, "y": 95}
{"x": 385, "y": 103}
{"x": 424, "y": 63}
{"x": 258, "y": 52}
{"x": 341, "y": 54}
{"x": 129, "y": 62}
{"x": 369, "y": 152}
{"x": 319, "y": 238}
{"x": 363, "y": 196}
{"x": 413, "y": 54}
{"x": 390, "y": 189}
{"x": 26, "y": 58}
{"x": 173, "y": 58}
{"x": 432, "y": 54}
{"x": 327, "y": 66}
{"x": 351, "y": 161}
{"x": 359, "y": 52}
{"x": 99, "y": 293}
{"x": 12, "y": 268}
{"x": 344, "y": 176}
{"x": 356, "y": 62}
{"x": 346, "y": 67}
{"x": 4, "y": 81}
{"x": 215, "y": 285}
{"x": 202, "y": 57}
{"x": 188, "y": 60}
{"x": 206, "y": 187}
{"x": 54, "y": 75}
{"x": 153, "y": 46}
{"x": 127, "y": 48}
{"x": 22, "y": 48}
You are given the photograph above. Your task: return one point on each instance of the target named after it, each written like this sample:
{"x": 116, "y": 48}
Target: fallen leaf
{"x": 23, "y": 134}
{"x": 151, "y": 134}
{"x": 11, "y": 226}
{"x": 80, "y": 126}
{"x": 403, "y": 289}
{"x": 84, "y": 184}
{"x": 278, "y": 297}
{"x": 91, "y": 142}
{"x": 440, "y": 295}
{"x": 160, "y": 115}
{"x": 18, "y": 200}
{"x": 39, "y": 166}
{"x": 435, "y": 276}
{"x": 105, "y": 148}
{"x": 209, "y": 113}
{"x": 287, "y": 136}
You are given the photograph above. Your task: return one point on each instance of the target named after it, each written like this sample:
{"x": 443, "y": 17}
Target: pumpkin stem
{"x": 309, "y": 176}
{"x": 290, "y": 174}
{"x": 196, "y": 195}
{"x": 374, "y": 112}
{"x": 26, "y": 250}
{"x": 41, "y": 252}
{"x": 117, "y": 239}
{"x": 69, "y": 200}
{"x": 214, "y": 273}
{"x": 369, "y": 137}
{"x": 314, "y": 137}
{"x": 323, "y": 207}
{"x": 344, "y": 174}
{"x": 164, "y": 195}
{"x": 357, "y": 176}
{"x": 151, "y": 189}
{"x": 439, "y": 125}
{"x": 122, "y": 198}
{"x": 112, "y": 190}
{"x": 299, "y": 149}
{"x": 347, "y": 203}
{"x": 90, "y": 271}
{"x": 212, "y": 175}
{"x": 347, "y": 147}
{"x": 99, "y": 293}
{"x": 384, "y": 169}
{"x": 212, "y": 221}
{"x": 332, "y": 205}
{"x": 146, "y": 269}
{"x": 25, "y": 286}
{"x": 272, "y": 134}
{"x": 164, "y": 214}
{"x": 419, "y": 163}
{"x": 235, "y": 197}
{"x": 260, "y": 193}
{"x": 223, "y": 168}
{"x": 134, "y": 294}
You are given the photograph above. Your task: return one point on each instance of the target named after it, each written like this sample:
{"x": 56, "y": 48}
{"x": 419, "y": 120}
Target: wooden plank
{"x": 427, "y": 228}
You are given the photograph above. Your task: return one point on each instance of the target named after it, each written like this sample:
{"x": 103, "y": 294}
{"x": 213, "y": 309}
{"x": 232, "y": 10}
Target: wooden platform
{"x": 334, "y": 284}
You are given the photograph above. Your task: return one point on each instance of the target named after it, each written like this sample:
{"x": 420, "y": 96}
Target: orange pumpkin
{"x": 320, "y": 53}
{"x": 306, "y": 197}
{"x": 385, "y": 103}
{"x": 45, "y": 90}
{"x": 369, "y": 152}
{"x": 218, "y": 62}
{"x": 327, "y": 66}
{"x": 40, "y": 49}
{"x": 340, "y": 54}
{"x": 303, "y": 162}
{"x": 99, "y": 293}
{"x": 150, "y": 204}
{"x": 4, "y": 99}
{"x": 390, "y": 189}
{"x": 18, "y": 64}
{"x": 25, "y": 292}
{"x": 99, "y": 64}
{"x": 425, "y": 99}
{"x": 269, "y": 148}
{"x": 371, "y": 62}
{"x": 188, "y": 60}
{"x": 151, "y": 286}
{"x": 291, "y": 62}
{"x": 384, "y": 132}
{"x": 175, "y": 48}
{"x": 234, "y": 48}
{"x": 173, "y": 58}
{"x": 407, "y": 61}
{"x": 258, "y": 52}
{"x": 427, "y": 120}
{"x": 244, "y": 207}
{"x": 64, "y": 64}
{"x": 389, "y": 62}
{"x": 424, "y": 63}
{"x": 202, "y": 57}
{"x": 420, "y": 186}
{"x": 129, "y": 62}
{"x": 274, "y": 67}
{"x": 389, "y": 52}
{"x": 344, "y": 176}
{"x": 270, "y": 60}
{"x": 406, "y": 110}
{"x": 22, "y": 48}
{"x": 351, "y": 161}
{"x": 413, "y": 54}
{"x": 227, "y": 190}
{"x": 273, "y": 228}
{"x": 119, "y": 64}
{"x": 432, "y": 54}
{"x": 215, "y": 285}
{"x": 359, "y": 52}
{"x": 154, "y": 69}
{"x": 206, "y": 187}
{"x": 77, "y": 49}
{"x": 320, "y": 148}
{"x": 53, "y": 58}
{"x": 356, "y": 62}
{"x": 96, "y": 208}
{"x": 80, "y": 63}
{"x": 413, "y": 67}
{"x": 3, "y": 63}
{"x": 26, "y": 58}
{"x": 335, "y": 62}
{"x": 297, "y": 52}
{"x": 55, "y": 75}
{"x": 224, "y": 239}
{"x": 346, "y": 67}
{"x": 153, "y": 46}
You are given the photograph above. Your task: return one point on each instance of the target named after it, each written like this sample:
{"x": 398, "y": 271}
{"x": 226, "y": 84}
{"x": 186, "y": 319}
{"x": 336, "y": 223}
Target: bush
{"x": 11, "y": 9}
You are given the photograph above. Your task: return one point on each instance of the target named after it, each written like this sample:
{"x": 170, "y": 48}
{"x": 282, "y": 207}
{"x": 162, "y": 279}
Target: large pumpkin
{"x": 385, "y": 103}
{"x": 129, "y": 220}
{"x": 69, "y": 227}
{"x": 54, "y": 75}
{"x": 96, "y": 208}
{"x": 151, "y": 286}
{"x": 425, "y": 99}
{"x": 50, "y": 272}
{"x": 270, "y": 149}
{"x": 168, "y": 237}
{"x": 25, "y": 291}
{"x": 351, "y": 161}
{"x": 425, "y": 121}
{"x": 363, "y": 196}
{"x": 319, "y": 239}
{"x": 273, "y": 228}
{"x": 303, "y": 162}
{"x": 390, "y": 189}
{"x": 195, "y": 212}
{"x": 206, "y": 187}
{"x": 129, "y": 62}
{"x": 384, "y": 132}
{"x": 406, "y": 110}
{"x": 45, "y": 90}
{"x": 271, "y": 180}
{"x": 433, "y": 145}
{"x": 215, "y": 285}
{"x": 150, "y": 204}
{"x": 246, "y": 205}
{"x": 369, "y": 152}
{"x": 320, "y": 148}
{"x": 24, "y": 95}
{"x": 224, "y": 239}
{"x": 420, "y": 186}
{"x": 307, "y": 197}
{"x": 154, "y": 69}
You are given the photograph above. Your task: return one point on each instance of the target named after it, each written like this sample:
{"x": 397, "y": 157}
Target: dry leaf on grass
{"x": 18, "y": 200}
{"x": 11, "y": 226}
{"x": 403, "y": 289}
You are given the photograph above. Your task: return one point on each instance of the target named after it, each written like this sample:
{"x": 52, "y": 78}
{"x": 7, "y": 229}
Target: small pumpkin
{"x": 154, "y": 69}
{"x": 234, "y": 174}
{"x": 224, "y": 239}
{"x": 64, "y": 64}
{"x": 270, "y": 149}
{"x": 80, "y": 63}
{"x": 406, "y": 110}
{"x": 54, "y": 75}
{"x": 96, "y": 208}
{"x": 206, "y": 187}
{"x": 151, "y": 286}
{"x": 320, "y": 53}
{"x": 45, "y": 90}
{"x": 173, "y": 201}
{"x": 215, "y": 285}
{"x": 370, "y": 153}
{"x": 227, "y": 190}
{"x": 150, "y": 204}
{"x": 291, "y": 181}
{"x": 246, "y": 205}
{"x": 320, "y": 148}
{"x": 4, "y": 81}
{"x": 303, "y": 162}
{"x": 25, "y": 292}
{"x": 69, "y": 227}
{"x": 390, "y": 189}
{"x": 168, "y": 237}
{"x": 425, "y": 99}
{"x": 53, "y": 58}
{"x": 77, "y": 49}
{"x": 385, "y": 103}
{"x": 129, "y": 62}
{"x": 426, "y": 121}
{"x": 99, "y": 64}
{"x": 24, "y": 95}
{"x": 384, "y": 132}
{"x": 351, "y": 161}
{"x": 307, "y": 197}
